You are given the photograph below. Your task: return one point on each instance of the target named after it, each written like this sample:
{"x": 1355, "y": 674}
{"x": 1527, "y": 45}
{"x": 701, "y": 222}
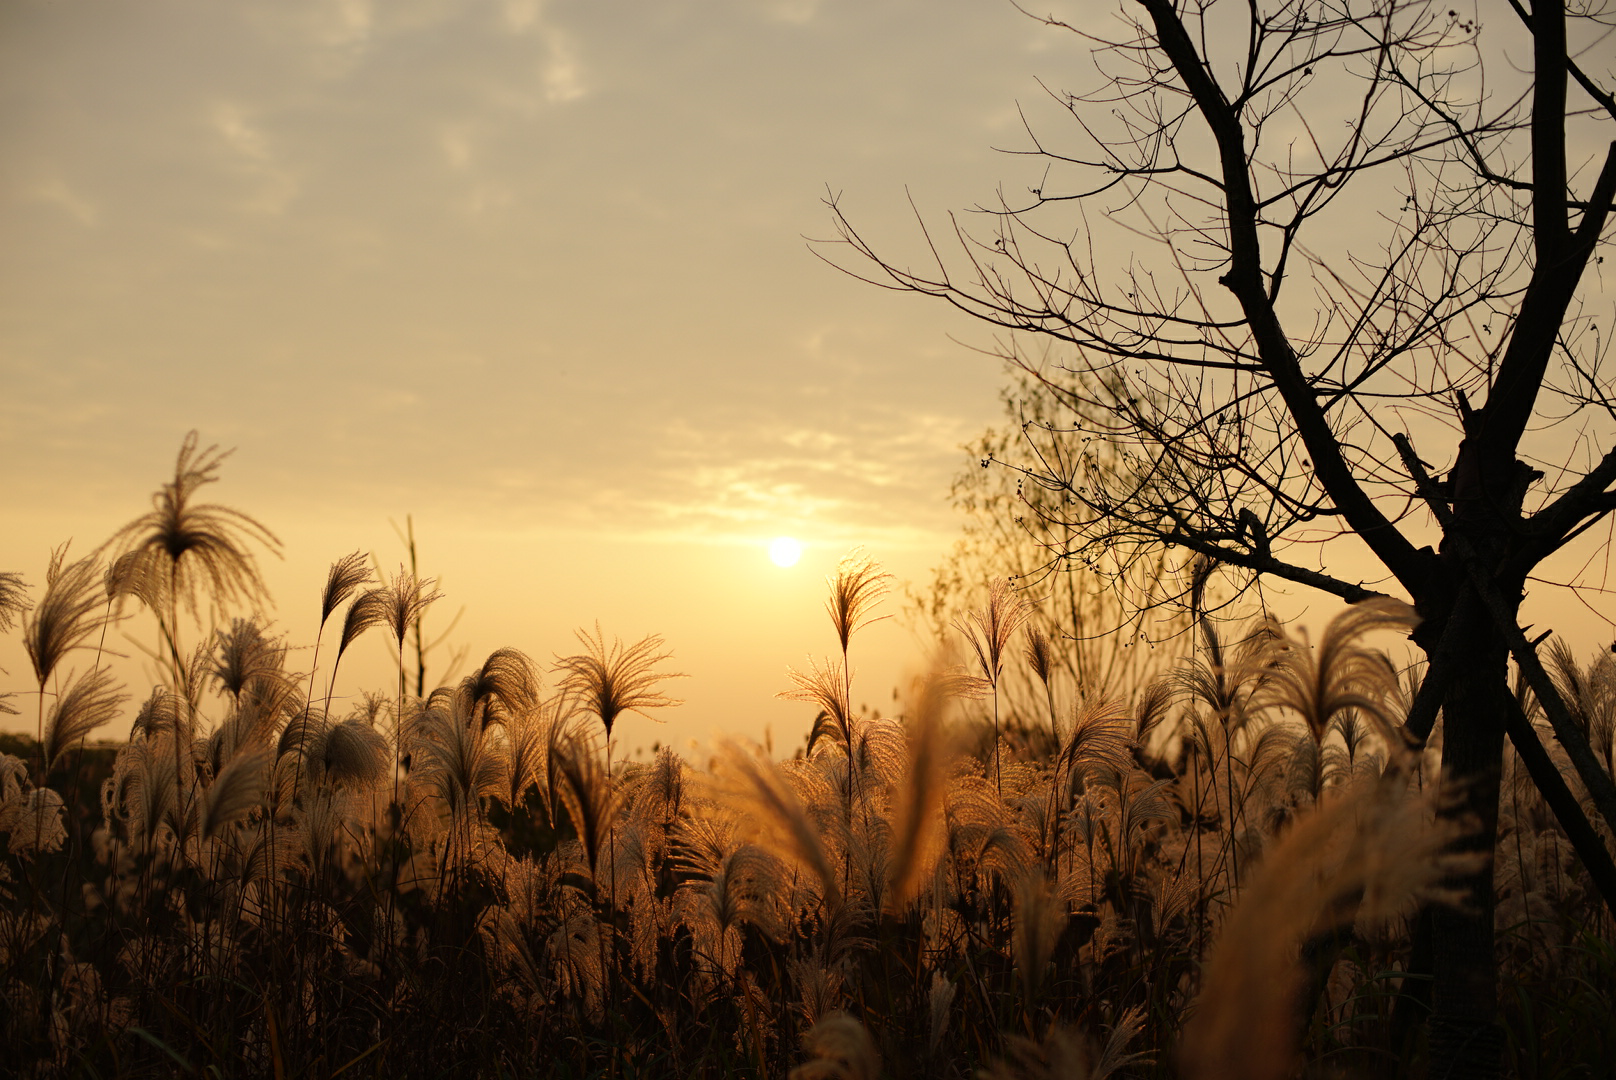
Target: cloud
{"x": 275, "y": 186}
{"x": 56, "y": 192}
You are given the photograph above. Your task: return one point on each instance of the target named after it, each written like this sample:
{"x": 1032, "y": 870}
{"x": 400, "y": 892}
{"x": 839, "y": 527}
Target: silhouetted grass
{"x": 1217, "y": 881}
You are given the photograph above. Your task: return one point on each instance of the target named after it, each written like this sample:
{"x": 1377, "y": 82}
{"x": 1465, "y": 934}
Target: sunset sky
{"x": 535, "y": 274}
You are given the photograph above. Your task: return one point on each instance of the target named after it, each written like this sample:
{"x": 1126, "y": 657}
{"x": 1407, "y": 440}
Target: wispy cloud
{"x": 58, "y": 193}
{"x": 274, "y": 185}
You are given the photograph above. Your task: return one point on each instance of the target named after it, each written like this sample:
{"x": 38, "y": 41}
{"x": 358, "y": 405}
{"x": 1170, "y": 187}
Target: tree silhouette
{"x": 1284, "y": 250}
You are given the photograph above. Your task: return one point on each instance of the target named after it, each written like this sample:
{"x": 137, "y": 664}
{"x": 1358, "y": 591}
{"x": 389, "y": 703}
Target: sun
{"x": 784, "y": 551}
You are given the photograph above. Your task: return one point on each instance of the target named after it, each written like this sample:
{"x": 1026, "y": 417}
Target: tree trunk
{"x": 1465, "y": 1039}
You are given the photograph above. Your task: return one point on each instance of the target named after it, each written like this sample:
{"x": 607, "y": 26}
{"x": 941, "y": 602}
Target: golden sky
{"x": 533, "y": 273}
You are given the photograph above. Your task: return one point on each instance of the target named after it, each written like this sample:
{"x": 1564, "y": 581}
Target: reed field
{"x": 1210, "y": 864}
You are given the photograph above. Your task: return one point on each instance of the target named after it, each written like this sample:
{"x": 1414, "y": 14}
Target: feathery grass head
{"x": 858, "y": 585}
{"x": 1369, "y": 854}
{"x": 91, "y": 701}
{"x": 839, "y": 1048}
{"x": 919, "y": 833}
{"x": 611, "y": 680}
{"x": 1099, "y": 740}
{"x": 245, "y": 655}
{"x": 989, "y": 629}
{"x": 404, "y": 600}
{"x": 346, "y": 575}
{"x": 825, "y": 686}
{"x": 505, "y": 686}
{"x": 1224, "y": 679}
{"x": 579, "y": 782}
{"x": 12, "y": 601}
{"x": 162, "y": 712}
{"x": 365, "y": 612}
{"x": 237, "y": 790}
{"x": 68, "y": 614}
{"x": 1040, "y": 654}
{"x": 138, "y": 573}
{"x": 1318, "y": 684}
{"x": 765, "y": 809}
{"x": 205, "y": 544}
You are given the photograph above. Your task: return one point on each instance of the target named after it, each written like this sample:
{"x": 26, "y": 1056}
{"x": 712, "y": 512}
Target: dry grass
{"x": 460, "y": 885}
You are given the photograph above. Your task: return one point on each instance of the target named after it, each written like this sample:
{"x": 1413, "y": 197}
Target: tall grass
{"x": 1216, "y": 880}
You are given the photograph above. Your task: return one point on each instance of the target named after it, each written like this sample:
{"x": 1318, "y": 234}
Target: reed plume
{"x": 765, "y": 808}
{"x": 12, "y": 601}
{"x": 368, "y": 610}
{"x": 505, "y": 686}
{"x": 205, "y": 543}
{"x": 825, "y": 687}
{"x": 611, "y": 680}
{"x": 839, "y": 1048}
{"x": 583, "y": 789}
{"x": 1319, "y": 684}
{"x": 91, "y": 701}
{"x": 1368, "y": 854}
{"x": 237, "y": 790}
{"x": 66, "y": 616}
{"x": 988, "y": 631}
{"x": 919, "y": 832}
{"x": 344, "y": 578}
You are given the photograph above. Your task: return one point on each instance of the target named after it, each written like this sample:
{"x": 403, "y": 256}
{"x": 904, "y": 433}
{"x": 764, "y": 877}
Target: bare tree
{"x": 1288, "y": 246}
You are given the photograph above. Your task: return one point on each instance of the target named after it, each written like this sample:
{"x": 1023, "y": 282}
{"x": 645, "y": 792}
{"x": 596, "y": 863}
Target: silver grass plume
{"x": 857, "y": 586}
{"x": 766, "y": 809}
{"x": 609, "y": 680}
{"x": 12, "y": 601}
{"x": 68, "y": 614}
{"x": 350, "y": 753}
{"x": 1223, "y": 679}
{"x": 205, "y": 544}
{"x": 452, "y": 753}
{"x": 12, "y": 604}
{"x": 34, "y": 822}
{"x": 404, "y": 600}
{"x": 1318, "y": 684}
{"x": 237, "y": 790}
{"x": 163, "y": 711}
{"x": 988, "y": 631}
{"x": 824, "y": 686}
{"x": 918, "y": 830}
{"x": 1100, "y": 739}
{"x": 527, "y": 740}
{"x": 90, "y": 701}
{"x": 1040, "y": 917}
{"x": 580, "y": 784}
{"x": 140, "y": 574}
{"x": 1066, "y": 1055}
{"x": 368, "y": 610}
{"x": 839, "y": 1048}
{"x": 345, "y": 577}
{"x": 244, "y": 655}
{"x": 505, "y": 686}
{"x": 1371, "y": 853}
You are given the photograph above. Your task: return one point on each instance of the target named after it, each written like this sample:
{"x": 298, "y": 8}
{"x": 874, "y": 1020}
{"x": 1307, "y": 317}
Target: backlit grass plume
{"x": 91, "y": 701}
{"x": 206, "y": 545}
{"x": 13, "y": 602}
{"x": 1341, "y": 674}
{"x": 988, "y": 630}
{"x": 610, "y": 680}
{"x": 857, "y": 586}
{"x": 66, "y": 616}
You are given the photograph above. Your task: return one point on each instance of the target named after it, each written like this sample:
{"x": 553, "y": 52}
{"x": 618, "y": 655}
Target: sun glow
{"x": 784, "y": 551}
